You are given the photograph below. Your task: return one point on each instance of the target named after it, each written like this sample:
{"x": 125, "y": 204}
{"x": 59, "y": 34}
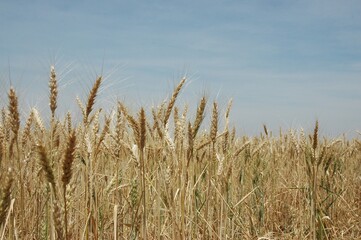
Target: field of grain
{"x": 161, "y": 173}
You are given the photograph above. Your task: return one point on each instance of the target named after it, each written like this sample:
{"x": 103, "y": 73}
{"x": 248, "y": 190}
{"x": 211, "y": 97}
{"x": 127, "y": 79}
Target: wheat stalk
{"x": 91, "y": 99}
{"x": 244, "y": 146}
{"x": 68, "y": 158}
{"x": 156, "y": 124}
{"x": 14, "y": 112}
{"x": 315, "y": 137}
{"x": 53, "y": 86}
{"x": 172, "y": 101}
{"x": 214, "y": 123}
{"x": 141, "y": 144}
{"x": 199, "y": 116}
{"x": 142, "y": 129}
{"x": 44, "y": 162}
{"x": 27, "y": 129}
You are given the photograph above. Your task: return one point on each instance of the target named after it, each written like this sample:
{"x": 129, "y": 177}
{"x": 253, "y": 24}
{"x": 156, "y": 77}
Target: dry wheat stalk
{"x": 38, "y": 120}
{"x": 95, "y": 123}
{"x": 27, "y": 128}
{"x": 199, "y": 116}
{"x": 119, "y": 130}
{"x": 53, "y": 86}
{"x": 132, "y": 122}
{"x": 220, "y": 159}
{"x": 180, "y": 126}
{"x": 91, "y": 98}
{"x": 225, "y": 142}
{"x": 69, "y": 123}
{"x": 295, "y": 141}
{"x": 246, "y": 144}
{"x": 68, "y": 158}
{"x": 214, "y": 123}
{"x": 14, "y": 112}
{"x": 315, "y": 137}
{"x": 81, "y": 106}
{"x": 208, "y": 141}
{"x": 44, "y": 162}
{"x": 103, "y": 134}
{"x": 156, "y": 124}
{"x": 142, "y": 124}
{"x": 228, "y": 109}
{"x": 259, "y": 147}
{"x": 172, "y": 101}
{"x": 135, "y": 126}
{"x": 168, "y": 138}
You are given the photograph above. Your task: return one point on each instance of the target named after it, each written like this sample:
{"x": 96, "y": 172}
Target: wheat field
{"x": 160, "y": 173}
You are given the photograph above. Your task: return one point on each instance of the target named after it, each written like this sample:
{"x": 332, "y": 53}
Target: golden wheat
{"x": 125, "y": 175}
{"x": 53, "y": 86}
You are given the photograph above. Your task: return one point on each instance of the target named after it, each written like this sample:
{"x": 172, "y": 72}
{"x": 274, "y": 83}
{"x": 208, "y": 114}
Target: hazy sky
{"x": 285, "y": 63}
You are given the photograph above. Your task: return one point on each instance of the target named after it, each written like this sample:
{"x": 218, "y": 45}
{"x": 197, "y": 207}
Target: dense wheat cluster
{"x": 160, "y": 173}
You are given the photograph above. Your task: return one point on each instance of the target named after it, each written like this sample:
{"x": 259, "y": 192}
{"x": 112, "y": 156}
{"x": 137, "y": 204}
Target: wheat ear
{"x": 53, "y": 86}
{"x": 172, "y": 101}
{"x": 68, "y": 159}
{"x": 27, "y": 129}
{"x": 14, "y": 112}
{"x": 315, "y": 137}
{"x": 214, "y": 123}
{"x": 156, "y": 124}
{"x": 132, "y": 122}
{"x": 44, "y": 162}
{"x": 91, "y": 98}
{"x": 199, "y": 116}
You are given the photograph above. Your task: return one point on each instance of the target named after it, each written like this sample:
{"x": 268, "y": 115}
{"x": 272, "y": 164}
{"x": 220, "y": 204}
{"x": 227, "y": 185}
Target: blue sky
{"x": 284, "y": 63}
